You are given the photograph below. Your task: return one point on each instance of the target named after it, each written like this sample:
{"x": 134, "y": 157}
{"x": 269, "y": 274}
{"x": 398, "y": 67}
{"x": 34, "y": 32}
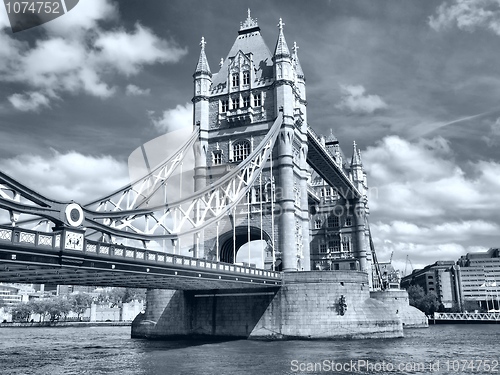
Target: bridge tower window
{"x": 241, "y": 150}
{"x": 333, "y": 221}
{"x": 348, "y": 221}
{"x": 257, "y": 100}
{"x": 346, "y": 245}
{"x": 317, "y": 224}
{"x": 246, "y": 101}
{"x": 217, "y": 157}
{"x": 322, "y": 248}
{"x": 224, "y": 105}
{"x": 246, "y": 77}
{"x": 235, "y": 103}
{"x": 235, "y": 79}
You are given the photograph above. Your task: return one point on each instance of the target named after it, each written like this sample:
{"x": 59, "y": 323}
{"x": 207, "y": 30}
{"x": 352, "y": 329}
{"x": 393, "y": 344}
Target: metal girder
{"x": 201, "y": 209}
{"x": 124, "y": 212}
{"x": 137, "y": 194}
{"x": 324, "y": 164}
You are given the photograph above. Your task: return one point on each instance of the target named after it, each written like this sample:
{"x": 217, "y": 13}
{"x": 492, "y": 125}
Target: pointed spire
{"x": 249, "y": 25}
{"x": 281, "y": 49}
{"x": 296, "y": 62}
{"x": 202, "y": 66}
{"x": 356, "y": 156}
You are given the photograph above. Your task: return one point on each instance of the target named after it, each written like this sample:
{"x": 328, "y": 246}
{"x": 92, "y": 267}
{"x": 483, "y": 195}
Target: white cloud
{"x": 78, "y": 54}
{"x": 493, "y": 138}
{"x": 426, "y": 205}
{"x": 84, "y": 17}
{"x": 355, "y": 100}
{"x": 134, "y": 90}
{"x": 441, "y": 233}
{"x": 468, "y": 15}
{"x": 172, "y": 119}
{"x": 70, "y": 176}
{"x": 31, "y": 101}
{"x": 129, "y": 51}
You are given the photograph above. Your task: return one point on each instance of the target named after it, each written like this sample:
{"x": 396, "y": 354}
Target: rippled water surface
{"x": 444, "y": 349}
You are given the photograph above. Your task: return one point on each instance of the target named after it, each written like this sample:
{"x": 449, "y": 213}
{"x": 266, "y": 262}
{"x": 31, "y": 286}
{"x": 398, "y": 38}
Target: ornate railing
{"x": 24, "y": 238}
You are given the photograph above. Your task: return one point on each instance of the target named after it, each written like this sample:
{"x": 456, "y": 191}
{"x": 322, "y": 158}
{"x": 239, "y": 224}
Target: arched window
{"x": 241, "y": 150}
{"x": 257, "y": 100}
{"x": 246, "y": 77}
{"x": 235, "y": 79}
{"x": 246, "y": 101}
{"x": 217, "y": 157}
{"x": 235, "y": 103}
{"x": 224, "y": 105}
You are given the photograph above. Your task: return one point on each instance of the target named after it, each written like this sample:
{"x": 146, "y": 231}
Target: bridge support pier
{"x": 310, "y": 305}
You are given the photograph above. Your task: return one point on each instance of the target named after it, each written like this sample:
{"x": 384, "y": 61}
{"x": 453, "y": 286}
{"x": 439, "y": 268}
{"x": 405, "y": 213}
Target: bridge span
{"x": 28, "y": 256}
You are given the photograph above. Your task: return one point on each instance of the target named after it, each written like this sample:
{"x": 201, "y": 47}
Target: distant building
{"x": 12, "y": 295}
{"x": 478, "y": 277}
{"x": 68, "y": 289}
{"x": 474, "y": 277}
{"x": 437, "y": 278}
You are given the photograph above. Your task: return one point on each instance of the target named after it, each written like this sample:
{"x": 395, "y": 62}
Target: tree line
{"x": 58, "y": 307}
{"x": 429, "y": 302}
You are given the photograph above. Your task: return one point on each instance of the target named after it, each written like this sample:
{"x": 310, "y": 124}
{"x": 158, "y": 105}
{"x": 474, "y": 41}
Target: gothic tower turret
{"x": 284, "y": 99}
{"x": 202, "y": 83}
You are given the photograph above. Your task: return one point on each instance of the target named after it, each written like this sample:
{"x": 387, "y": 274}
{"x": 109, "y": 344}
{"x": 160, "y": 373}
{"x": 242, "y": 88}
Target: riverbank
{"x": 62, "y": 324}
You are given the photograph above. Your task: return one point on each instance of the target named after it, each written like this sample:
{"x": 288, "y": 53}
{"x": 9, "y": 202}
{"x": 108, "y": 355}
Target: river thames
{"x": 443, "y": 349}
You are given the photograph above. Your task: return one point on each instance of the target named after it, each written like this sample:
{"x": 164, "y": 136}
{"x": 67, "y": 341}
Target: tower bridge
{"x": 252, "y": 169}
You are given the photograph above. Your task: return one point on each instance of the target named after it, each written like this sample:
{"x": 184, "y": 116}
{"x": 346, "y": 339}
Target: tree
{"x": 21, "y": 312}
{"x": 118, "y": 296}
{"x": 428, "y": 303}
{"x": 40, "y": 306}
{"x": 470, "y": 306}
{"x": 132, "y": 294}
{"x": 80, "y": 303}
{"x": 58, "y": 307}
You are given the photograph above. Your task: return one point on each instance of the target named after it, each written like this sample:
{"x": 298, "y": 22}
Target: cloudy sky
{"x": 415, "y": 82}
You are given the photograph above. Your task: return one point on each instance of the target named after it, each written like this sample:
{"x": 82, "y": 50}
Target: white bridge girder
{"x": 126, "y": 213}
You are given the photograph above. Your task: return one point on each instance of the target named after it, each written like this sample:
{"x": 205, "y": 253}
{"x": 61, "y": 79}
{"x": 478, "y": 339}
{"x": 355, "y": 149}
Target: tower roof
{"x": 281, "y": 49}
{"x": 202, "y": 66}
{"x": 250, "y": 43}
{"x": 356, "y": 155}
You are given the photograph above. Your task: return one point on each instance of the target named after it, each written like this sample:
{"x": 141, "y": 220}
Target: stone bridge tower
{"x": 234, "y": 110}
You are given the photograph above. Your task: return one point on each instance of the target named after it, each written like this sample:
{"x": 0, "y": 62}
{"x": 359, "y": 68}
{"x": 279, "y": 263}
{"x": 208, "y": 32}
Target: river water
{"x": 443, "y": 349}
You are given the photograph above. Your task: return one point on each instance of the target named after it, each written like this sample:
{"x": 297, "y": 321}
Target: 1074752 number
{"x": 32, "y": 7}
{"x": 463, "y": 366}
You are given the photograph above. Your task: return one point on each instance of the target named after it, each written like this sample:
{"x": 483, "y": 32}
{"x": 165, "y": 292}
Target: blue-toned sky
{"x": 415, "y": 82}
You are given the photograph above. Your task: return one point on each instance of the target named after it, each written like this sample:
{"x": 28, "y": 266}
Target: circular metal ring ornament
{"x": 74, "y": 214}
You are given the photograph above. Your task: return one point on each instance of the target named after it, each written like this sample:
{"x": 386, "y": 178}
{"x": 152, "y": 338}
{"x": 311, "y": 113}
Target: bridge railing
{"x": 466, "y": 316}
{"x": 152, "y": 256}
{"x": 26, "y": 237}
{"x": 31, "y": 239}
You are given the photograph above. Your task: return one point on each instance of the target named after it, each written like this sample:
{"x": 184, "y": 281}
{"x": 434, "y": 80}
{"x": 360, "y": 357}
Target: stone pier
{"x": 310, "y": 305}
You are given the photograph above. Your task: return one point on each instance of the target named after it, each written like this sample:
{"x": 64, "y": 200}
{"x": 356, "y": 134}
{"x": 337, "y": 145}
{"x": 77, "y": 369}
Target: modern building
{"x": 437, "y": 278}
{"x": 474, "y": 277}
{"x": 478, "y": 276}
{"x": 12, "y": 295}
